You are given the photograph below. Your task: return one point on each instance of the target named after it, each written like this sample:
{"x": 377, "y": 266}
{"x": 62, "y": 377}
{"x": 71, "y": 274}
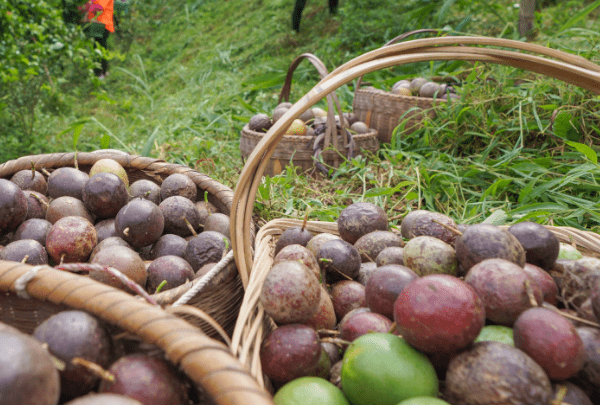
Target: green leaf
{"x": 105, "y": 141}
{"x": 380, "y": 191}
{"x": 585, "y": 150}
{"x": 444, "y": 10}
{"x": 498, "y": 217}
{"x": 411, "y": 196}
{"x": 580, "y": 16}
{"x": 564, "y": 128}
{"x": 541, "y": 207}
{"x": 496, "y": 187}
{"x": 150, "y": 142}
{"x": 76, "y": 132}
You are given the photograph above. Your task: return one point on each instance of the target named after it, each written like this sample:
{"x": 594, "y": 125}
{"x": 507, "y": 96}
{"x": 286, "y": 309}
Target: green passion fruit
{"x": 424, "y": 401}
{"x": 310, "y": 391}
{"x": 496, "y": 333}
{"x": 383, "y": 369}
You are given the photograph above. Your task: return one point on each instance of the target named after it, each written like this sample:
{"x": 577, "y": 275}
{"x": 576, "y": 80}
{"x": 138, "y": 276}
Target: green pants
{"x": 299, "y": 6}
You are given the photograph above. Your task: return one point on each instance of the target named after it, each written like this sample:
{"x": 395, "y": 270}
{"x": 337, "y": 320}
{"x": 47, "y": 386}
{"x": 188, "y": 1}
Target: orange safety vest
{"x": 106, "y": 17}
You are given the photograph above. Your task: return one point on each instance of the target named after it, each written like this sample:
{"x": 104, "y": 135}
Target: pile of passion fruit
{"x": 438, "y": 313}
{"x": 310, "y": 123}
{"x": 422, "y": 87}
{"x": 158, "y": 236}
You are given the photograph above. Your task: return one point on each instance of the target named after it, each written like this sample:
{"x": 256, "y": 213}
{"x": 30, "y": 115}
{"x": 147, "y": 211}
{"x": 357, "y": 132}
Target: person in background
{"x": 299, "y": 7}
{"x": 103, "y": 10}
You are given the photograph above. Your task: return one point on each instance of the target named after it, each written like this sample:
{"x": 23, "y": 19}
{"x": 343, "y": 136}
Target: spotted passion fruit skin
{"x": 427, "y": 223}
{"x": 290, "y": 293}
{"x": 359, "y": 219}
{"x": 485, "y": 241}
{"x": 493, "y": 373}
{"x": 439, "y": 313}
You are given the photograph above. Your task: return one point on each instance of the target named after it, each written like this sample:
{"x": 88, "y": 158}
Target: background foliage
{"x": 186, "y": 75}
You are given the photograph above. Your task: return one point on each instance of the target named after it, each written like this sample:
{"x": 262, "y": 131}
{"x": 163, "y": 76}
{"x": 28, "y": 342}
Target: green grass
{"x": 187, "y": 75}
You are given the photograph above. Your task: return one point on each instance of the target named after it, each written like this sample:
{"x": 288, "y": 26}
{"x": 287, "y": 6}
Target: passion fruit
{"x": 359, "y": 219}
{"x": 492, "y": 373}
{"x": 439, "y": 313}
{"x": 381, "y": 368}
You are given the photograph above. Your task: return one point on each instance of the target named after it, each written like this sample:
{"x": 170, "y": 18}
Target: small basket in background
{"x": 384, "y": 111}
{"x": 301, "y": 150}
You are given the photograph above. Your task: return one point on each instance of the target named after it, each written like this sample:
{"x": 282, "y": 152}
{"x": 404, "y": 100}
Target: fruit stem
{"x": 560, "y": 395}
{"x": 25, "y": 259}
{"x": 46, "y": 172}
{"x": 190, "y": 227}
{"x": 32, "y": 170}
{"x": 75, "y": 164}
{"x": 40, "y": 200}
{"x": 93, "y": 368}
{"x": 573, "y": 317}
{"x": 324, "y": 260}
{"x": 160, "y": 286}
{"x": 530, "y": 294}
{"x": 305, "y": 220}
{"x": 336, "y": 341}
{"x": 448, "y": 227}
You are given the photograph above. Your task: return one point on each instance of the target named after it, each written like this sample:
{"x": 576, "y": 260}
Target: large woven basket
{"x": 299, "y": 150}
{"x": 221, "y": 297}
{"x": 251, "y": 325}
{"x": 384, "y": 111}
{"x": 207, "y": 362}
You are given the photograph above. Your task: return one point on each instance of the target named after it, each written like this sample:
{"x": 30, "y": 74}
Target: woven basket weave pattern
{"x": 383, "y": 111}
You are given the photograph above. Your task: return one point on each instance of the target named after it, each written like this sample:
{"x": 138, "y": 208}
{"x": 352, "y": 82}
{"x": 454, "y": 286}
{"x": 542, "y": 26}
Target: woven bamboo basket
{"x": 300, "y": 150}
{"x": 207, "y": 362}
{"x": 221, "y": 297}
{"x": 384, "y": 111}
{"x": 252, "y": 324}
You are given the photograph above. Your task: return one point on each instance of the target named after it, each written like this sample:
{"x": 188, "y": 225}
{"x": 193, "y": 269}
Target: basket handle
{"x": 396, "y": 40}
{"x": 206, "y": 361}
{"x": 568, "y": 68}
{"x": 330, "y": 136}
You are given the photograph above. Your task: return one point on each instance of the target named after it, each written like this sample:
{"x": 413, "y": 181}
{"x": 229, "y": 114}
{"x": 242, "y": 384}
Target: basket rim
{"x": 392, "y": 96}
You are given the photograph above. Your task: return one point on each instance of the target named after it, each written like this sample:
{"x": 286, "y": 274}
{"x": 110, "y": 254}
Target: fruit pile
{"x": 159, "y": 236}
{"x": 311, "y": 122}
{"x": 439, "y": 313}
{"x": 421, "y": 87}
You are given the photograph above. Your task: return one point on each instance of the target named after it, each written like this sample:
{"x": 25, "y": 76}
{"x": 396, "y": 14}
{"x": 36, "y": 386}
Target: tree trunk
{"x": 526, "y": 18}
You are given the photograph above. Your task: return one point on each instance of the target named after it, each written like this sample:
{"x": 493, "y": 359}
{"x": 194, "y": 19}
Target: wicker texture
{"x": 221, "y": 298}
{"x": 569, "y": 68}
{"x": 204, "y": 360}
{"x": 300, "y": 149}
{"x": 383, "y": 110}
